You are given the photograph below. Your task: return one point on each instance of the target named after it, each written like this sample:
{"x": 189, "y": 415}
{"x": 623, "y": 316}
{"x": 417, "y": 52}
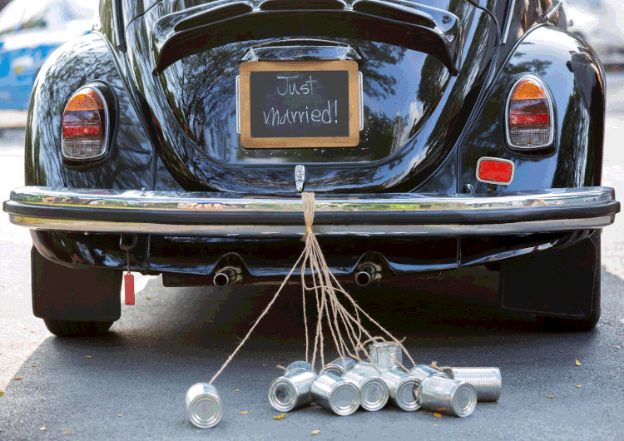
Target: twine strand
{"x": 329, "y": 308}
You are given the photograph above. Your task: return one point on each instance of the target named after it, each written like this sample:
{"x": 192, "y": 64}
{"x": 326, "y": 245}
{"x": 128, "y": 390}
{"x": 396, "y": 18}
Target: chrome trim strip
{"x": 361, "y": 90}
{"x": 238, "y": 119}
{"x": 174, "y": 202}
{"x": 325, "y": 230}
{"x": 552, "y": 11}
{"x": 510, "y": 13}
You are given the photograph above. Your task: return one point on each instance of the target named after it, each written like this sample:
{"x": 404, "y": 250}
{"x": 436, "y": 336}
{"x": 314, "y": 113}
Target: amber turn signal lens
{"x": 495, "y": 171}
{"x": 529, "y": 114}
{"x": 85, "y": 125}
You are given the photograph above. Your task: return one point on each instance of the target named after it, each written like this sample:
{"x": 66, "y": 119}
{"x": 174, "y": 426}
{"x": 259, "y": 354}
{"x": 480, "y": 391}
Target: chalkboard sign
{"x": 299, "y": 104}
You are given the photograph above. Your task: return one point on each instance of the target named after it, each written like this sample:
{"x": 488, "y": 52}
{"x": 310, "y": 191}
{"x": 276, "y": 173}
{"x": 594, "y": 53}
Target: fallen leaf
{"x": 68, "y": 431}
{"x": 578, "y": 363}
{"x": 280, "y": 417}
{"x": 244, "y": 412}
{"x": 549, "y": 396}
{"x": 197, "y": 431}
{"x": 437, "y": 415}
{"x": 88, "y": 356}
{"x": 42, "y": 428}
{"x": 316, "y": 432}
{"x": 236, "y": 390}
{"x": 148, "y": 298}
{"x": 120, "y": 415}
{"x": 34, "y": 365}
{"x": 1, "y": 393}
{"x": 17, "y": 378}
{"x": 578, "y": 385}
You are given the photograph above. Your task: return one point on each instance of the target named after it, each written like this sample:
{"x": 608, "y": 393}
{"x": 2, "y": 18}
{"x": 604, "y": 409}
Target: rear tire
{"x": 67, "y": 328}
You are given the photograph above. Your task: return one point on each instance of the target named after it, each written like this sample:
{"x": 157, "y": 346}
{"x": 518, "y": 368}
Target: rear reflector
{"x": 495, "y": 171}
{"x": 529, "y": 114}
{"x": 85, "y": 126}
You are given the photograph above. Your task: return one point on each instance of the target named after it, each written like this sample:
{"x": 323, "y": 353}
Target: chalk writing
{"x": 292, "y": 89}
{"x": 275, "y": 118}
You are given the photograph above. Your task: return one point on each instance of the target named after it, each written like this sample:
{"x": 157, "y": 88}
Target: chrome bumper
{"x": 220, "y": 214}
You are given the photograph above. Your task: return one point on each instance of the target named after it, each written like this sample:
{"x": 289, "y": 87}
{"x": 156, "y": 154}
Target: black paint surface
{"x": 299, "y": 104}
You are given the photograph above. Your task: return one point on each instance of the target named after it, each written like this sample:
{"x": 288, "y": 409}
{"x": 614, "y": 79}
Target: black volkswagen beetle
{"x": 176, "y": 138}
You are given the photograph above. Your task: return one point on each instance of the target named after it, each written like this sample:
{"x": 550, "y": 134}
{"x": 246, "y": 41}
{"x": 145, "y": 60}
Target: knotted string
{"x": 331, "y": 313}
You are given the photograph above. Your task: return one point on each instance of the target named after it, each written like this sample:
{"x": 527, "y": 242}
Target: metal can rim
{"x": 210, "y": 422}
{"x": 468, "y": 410}
{"x": 403, "y": 382}
{"x": 276, "y": 404}
{"x": 341, "y": 410}
{"x": 373, "y": 406}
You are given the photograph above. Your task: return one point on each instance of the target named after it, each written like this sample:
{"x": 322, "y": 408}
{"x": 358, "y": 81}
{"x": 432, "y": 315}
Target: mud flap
{"x": 62, "y": 293}
{"x": 557, "y": 284}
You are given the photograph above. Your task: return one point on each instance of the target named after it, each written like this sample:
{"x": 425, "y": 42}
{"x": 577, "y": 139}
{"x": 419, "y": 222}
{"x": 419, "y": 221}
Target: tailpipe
{"x": 366, "y": 275}
{"x": 227, "y": 276}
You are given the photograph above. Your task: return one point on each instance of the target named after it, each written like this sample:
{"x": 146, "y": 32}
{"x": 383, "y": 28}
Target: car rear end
{"x": 441, "y": 148}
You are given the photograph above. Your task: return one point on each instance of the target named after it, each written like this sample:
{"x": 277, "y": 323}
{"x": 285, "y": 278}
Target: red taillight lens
{"x": 529, "y": 118}
{"x": 85, "y": 125}
{"x": 495, "y": 171}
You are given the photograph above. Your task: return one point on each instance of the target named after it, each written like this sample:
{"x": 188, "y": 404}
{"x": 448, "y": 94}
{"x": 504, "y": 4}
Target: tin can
{"x": 423, "y": 371}
{"x": 386, "y": 355}
{"x": 369, "y": 368}
{"x": 339, "y": 366}
{"x": 336, "y": 394}
{"x": 486, "y": 380}
{"x": 204, "y": 405}
{"x": 447, "y": 395}
{"x": 297, "y": 366}
{"x": 292, "y": 390}
{"x": 373, "y": 390}
{"x": 401, "y": 387}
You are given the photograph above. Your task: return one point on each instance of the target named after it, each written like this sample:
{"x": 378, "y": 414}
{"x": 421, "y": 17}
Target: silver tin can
{"x": 297, "y": 366}
{"x": 204, "y": 405}
{"x": 423, "y": 371}
{"x": 486, "y": 380}
{"x": 292, "y": 390}
{"x": 336, "y": 394}
{"x": 401, "y": 387}
{"x": 339, "y": 366}
{"x": 386, "y": 355}
{"x": 373, "y": 391}
{"x": 447, "y": 395}
{"x": 369, "y": 368}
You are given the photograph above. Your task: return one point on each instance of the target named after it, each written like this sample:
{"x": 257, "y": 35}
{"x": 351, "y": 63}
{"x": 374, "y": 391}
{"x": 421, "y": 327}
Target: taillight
{"x": 85, "y": 125}
{"x": 529, "y": 116}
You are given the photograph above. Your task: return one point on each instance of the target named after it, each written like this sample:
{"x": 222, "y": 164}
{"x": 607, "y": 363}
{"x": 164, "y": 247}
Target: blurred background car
{"x": 601, "y": 24}
{"x": 30, "y": 30}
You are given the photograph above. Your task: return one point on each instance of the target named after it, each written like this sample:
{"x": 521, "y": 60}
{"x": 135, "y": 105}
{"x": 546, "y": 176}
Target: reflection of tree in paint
{"x": 201, "y": 91}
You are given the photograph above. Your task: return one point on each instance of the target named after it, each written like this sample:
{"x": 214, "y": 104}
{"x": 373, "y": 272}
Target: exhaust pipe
{"x": 366, "y": 275}
{"x": 227, "y": 276}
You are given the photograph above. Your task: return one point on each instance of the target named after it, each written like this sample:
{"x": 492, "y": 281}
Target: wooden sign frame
{"x": 296, "y": 66}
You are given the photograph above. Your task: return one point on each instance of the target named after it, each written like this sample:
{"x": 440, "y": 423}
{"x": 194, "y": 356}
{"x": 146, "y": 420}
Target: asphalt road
{"x": 131, "y": 384}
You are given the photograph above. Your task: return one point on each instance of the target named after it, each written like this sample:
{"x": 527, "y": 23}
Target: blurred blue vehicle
{"x": 30, "y": 30}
